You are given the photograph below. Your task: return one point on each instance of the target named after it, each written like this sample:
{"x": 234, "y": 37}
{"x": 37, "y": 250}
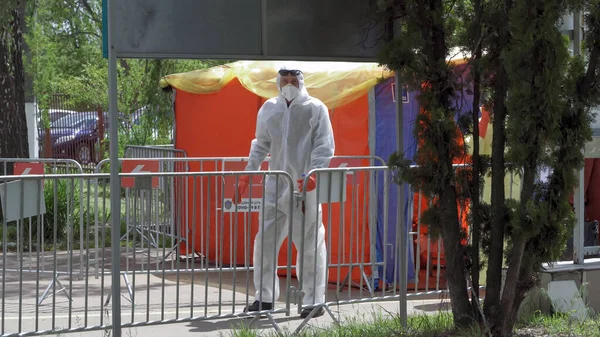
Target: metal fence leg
{"x": 129, "y": 291}
{"x": 310, "y": 316}
{"x": 46, "y": 294}
{"x": 347, "y": 281}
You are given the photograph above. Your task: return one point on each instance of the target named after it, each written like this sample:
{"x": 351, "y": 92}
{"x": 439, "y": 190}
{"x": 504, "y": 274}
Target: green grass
{"x": 435, "y": 325}
{"x": 375, "y": 325}
{"x": 562, "y": 325}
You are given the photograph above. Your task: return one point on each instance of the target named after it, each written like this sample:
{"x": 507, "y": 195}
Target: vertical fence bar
{"x": 115, "y": 183}
{"x": 4, "y": 201}
{"x": 39, "y": 234}
{"x": 20, "y": 236}
{"x": 193, "y": 247}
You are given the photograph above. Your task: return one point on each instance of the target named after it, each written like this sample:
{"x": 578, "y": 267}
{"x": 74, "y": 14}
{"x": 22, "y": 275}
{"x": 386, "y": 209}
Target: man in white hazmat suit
{"x": 294, "y": 128}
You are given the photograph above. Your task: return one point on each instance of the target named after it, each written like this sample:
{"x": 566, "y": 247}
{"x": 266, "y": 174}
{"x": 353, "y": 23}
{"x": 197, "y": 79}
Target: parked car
{"x": 58, "y": 114}
{"x": 77, "y": 136}
{"x": 54, "y": 115}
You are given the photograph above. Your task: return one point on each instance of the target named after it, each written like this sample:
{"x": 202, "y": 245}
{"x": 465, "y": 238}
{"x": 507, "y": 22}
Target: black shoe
{"x": 258, "y": 306}
{"x": 319, "y": 312}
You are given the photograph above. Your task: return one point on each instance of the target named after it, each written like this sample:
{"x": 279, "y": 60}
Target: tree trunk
{"x": 455, "y": 259}
{"x": 442, "y": 88}
{"x": 13, "y": 121}
{"x": 494, "y": 272}
{"x": 28, "y": 76}
{"x": 525, "y": 283}
{"x": 516, "y": 266}
{"x": 475, "y": 200}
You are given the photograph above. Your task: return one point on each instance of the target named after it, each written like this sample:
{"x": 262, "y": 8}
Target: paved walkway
{"x": 167, "y": 297}
{"x": 225, "y": 327}
{"x": 263, "y": 327}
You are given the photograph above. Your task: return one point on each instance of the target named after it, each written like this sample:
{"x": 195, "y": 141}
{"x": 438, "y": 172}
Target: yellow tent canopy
{"x": 334, "y": 83}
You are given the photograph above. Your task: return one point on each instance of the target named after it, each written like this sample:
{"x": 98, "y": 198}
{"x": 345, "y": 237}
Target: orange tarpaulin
{"x": 221, "y": 124}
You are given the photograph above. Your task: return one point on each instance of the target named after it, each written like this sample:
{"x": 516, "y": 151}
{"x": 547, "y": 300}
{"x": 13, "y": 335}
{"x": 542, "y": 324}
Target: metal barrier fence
{"x": 170, "y": 196}
{"x": 169, "y": 199}
{"x": 155, "y": 151}
{"x": 172, "y": 217}
{"x": 24, "y": 166}
{"x": 218, "y": 242}
{"x": 62, "y": 217}
{"x": 219, "y": 289}
{"x": 339, "y": 199}
{"x": 339, "y": 220}
{"x": 189, "y": 255}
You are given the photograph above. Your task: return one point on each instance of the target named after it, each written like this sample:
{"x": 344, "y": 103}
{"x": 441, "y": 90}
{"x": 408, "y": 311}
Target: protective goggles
{"x": 286, "y": 72}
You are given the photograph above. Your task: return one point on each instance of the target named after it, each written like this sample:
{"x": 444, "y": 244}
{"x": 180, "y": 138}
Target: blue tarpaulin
{"x": 387, "y": 247}
{"x": 385, "y": 145}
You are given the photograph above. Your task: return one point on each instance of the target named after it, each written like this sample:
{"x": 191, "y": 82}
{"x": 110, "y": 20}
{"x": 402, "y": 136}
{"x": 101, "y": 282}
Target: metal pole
{"x": 578, "y": 232}
{"x": 577, "y": 33}
{"x": 115, "y": 183}
{"x": 403, "y": 255}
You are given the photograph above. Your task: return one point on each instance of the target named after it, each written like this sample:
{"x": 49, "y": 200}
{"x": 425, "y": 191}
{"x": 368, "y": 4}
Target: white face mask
{"x": 290, "y": 92}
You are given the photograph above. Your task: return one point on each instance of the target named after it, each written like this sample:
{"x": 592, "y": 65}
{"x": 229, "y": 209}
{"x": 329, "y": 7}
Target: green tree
{"x": 540, "y": 98}
{"x": 65, "y": 39}
{"x": 549, "y": 99}
{"x": 498, "y": 43}
{"x": 419, "y": 51}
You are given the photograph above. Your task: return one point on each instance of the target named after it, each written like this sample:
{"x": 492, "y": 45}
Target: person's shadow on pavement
{"x": 239, "y": 323}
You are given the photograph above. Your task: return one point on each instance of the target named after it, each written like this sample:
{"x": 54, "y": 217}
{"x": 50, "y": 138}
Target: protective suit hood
{"x": 299, "y": 137}
{"x": 303, "y": 93}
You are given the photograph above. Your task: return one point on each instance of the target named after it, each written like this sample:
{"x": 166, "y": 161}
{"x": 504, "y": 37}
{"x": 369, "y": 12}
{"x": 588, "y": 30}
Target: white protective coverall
{"x": 298, "y": 138}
